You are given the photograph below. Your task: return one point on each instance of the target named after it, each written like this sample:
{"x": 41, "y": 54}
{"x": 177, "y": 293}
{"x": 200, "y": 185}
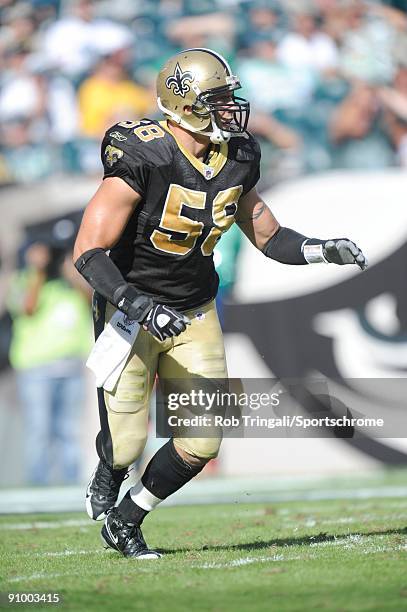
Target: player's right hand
{"x": 165, "y": 322}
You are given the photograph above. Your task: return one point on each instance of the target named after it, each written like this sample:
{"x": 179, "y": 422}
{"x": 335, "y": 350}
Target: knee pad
{"x": 202, "y": 448}
{"x": 131, "y": 394}
{"x": 127, "y": 449}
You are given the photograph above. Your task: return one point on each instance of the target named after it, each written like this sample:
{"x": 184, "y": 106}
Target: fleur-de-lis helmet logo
{"x": 180, "y": 81}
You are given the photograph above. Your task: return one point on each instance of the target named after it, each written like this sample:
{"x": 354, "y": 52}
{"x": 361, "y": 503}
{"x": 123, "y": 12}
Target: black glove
{"x": 343, "y": 251}
{"x": 165, "y": 322}
{"x": 134, "y": 304}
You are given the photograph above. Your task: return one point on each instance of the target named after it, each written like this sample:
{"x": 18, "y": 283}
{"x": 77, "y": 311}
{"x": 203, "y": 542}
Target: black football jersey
{"x": 166, "y": 249}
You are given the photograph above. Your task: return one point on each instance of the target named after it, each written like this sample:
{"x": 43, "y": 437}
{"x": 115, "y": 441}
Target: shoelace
{"x": 130, "y": 532}
{"x": 136, "y": 536}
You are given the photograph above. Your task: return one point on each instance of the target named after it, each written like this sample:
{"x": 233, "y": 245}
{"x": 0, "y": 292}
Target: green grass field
{"x": 319, "y": 555}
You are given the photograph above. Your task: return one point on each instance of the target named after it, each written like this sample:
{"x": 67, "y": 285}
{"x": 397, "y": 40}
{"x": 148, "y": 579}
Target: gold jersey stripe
{"x": 216, "y": 161}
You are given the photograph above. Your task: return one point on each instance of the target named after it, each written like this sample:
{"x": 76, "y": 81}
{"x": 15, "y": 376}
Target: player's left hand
{"x": 342, "y": 251}
{"x": 165, "y": 322}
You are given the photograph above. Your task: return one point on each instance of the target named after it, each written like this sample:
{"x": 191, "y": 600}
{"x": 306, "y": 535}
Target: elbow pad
{"x": 289, "y": 247}
{"x": 105, "y": 278}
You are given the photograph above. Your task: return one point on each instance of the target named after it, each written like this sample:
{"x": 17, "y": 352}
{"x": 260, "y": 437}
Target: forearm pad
{"x": 287, "y": 246}
{"x": 104, "y": 276}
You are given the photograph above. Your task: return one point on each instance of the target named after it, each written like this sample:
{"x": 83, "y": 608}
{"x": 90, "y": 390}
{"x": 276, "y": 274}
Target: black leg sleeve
{"x": 167, "y": 472}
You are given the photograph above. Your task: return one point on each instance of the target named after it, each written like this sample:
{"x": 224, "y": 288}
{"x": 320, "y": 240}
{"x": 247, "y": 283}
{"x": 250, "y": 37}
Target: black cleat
{"x": 125, "y": 537}
{"x": 103, "y": 490}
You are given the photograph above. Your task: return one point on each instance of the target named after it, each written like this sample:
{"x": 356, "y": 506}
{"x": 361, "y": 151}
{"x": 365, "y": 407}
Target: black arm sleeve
{"x": 286, "y": 246}
{"x": 105, "y": 277}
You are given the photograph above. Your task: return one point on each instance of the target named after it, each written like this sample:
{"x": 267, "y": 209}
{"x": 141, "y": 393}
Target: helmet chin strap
{"x": 219, "y": 136}
{"x": 216, "y": 135}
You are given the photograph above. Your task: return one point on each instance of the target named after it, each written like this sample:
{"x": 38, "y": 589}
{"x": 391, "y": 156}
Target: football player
{"x": 171, "y": 188}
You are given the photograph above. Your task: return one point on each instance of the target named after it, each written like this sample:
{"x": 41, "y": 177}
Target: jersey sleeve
{"x": 255, "y": 157}
{"x": 122, "y": 156}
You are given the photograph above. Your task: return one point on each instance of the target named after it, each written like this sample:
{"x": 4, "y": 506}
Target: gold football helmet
{"x": 202, "y": 80}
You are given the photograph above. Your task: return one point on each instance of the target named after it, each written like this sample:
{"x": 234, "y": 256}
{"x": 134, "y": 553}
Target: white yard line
{"x": 142, "y": 568}
{"x": 45, "y": 575}
{"x": 65, "y": 553}
{"x": 312, "y": 521}
{"x": 359, "y": 541}
{"x": 246, "y": 561}
{"x": 363, "y": 517}
{"x": 234, "y": 563}
{"x": 350, "y": 541}
{"x": 279, "y": 558}
{"x": 365, "y": 506}
{"x": 231, "y": 564}
{"x": 345, "y": 541}
{"x": 47, "y": 524}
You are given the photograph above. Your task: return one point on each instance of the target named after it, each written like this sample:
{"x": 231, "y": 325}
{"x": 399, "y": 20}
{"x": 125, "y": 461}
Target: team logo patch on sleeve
{"x": 180, "y": 81}
{"x": 112, "y": 154}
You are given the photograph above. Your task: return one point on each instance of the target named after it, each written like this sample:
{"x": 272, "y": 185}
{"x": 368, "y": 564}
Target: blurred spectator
{"x": 37, "y": 108}
{"x": 50, "y": 339}
{"x": 23, "y": 121}
{"x": 271, "y": 86}
{"x": 282, "y": 149}
{"x": 77, "y": 40}
{"x": 61, "y": 114}
{"x": 214, "y": 30}
{"x": 275, "y": 132}
{"x": 356, "y": 130}
{"x": 3, "y": 6}
{"x": 263, "y": 20}
{"x": 306, "y": 47}
{"x": 22, "y": 96}
{"x": 109, "y": 96}
{"x": 368, "y": 42}
{"x": 18, "y": 27}
{"x": 267, "y": 82}
{"x": 394, "y": 100}
{"x": 46, "y": 11}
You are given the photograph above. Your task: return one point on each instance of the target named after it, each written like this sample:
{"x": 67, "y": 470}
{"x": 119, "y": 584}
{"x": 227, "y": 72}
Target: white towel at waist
{"x": 112, "y": 349}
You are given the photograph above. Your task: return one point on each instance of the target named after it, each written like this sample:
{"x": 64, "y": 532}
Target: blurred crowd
{"x": 327, "y": 79}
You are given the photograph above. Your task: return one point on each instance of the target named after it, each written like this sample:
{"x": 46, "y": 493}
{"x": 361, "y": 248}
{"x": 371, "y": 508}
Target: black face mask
{"x": 213, "y": 101}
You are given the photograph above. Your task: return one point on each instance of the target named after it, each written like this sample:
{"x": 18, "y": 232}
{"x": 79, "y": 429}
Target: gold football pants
{"x": 197, "y": 353}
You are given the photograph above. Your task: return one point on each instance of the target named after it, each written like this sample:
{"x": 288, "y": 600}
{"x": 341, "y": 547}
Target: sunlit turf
{"x": 331, "y": 555}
